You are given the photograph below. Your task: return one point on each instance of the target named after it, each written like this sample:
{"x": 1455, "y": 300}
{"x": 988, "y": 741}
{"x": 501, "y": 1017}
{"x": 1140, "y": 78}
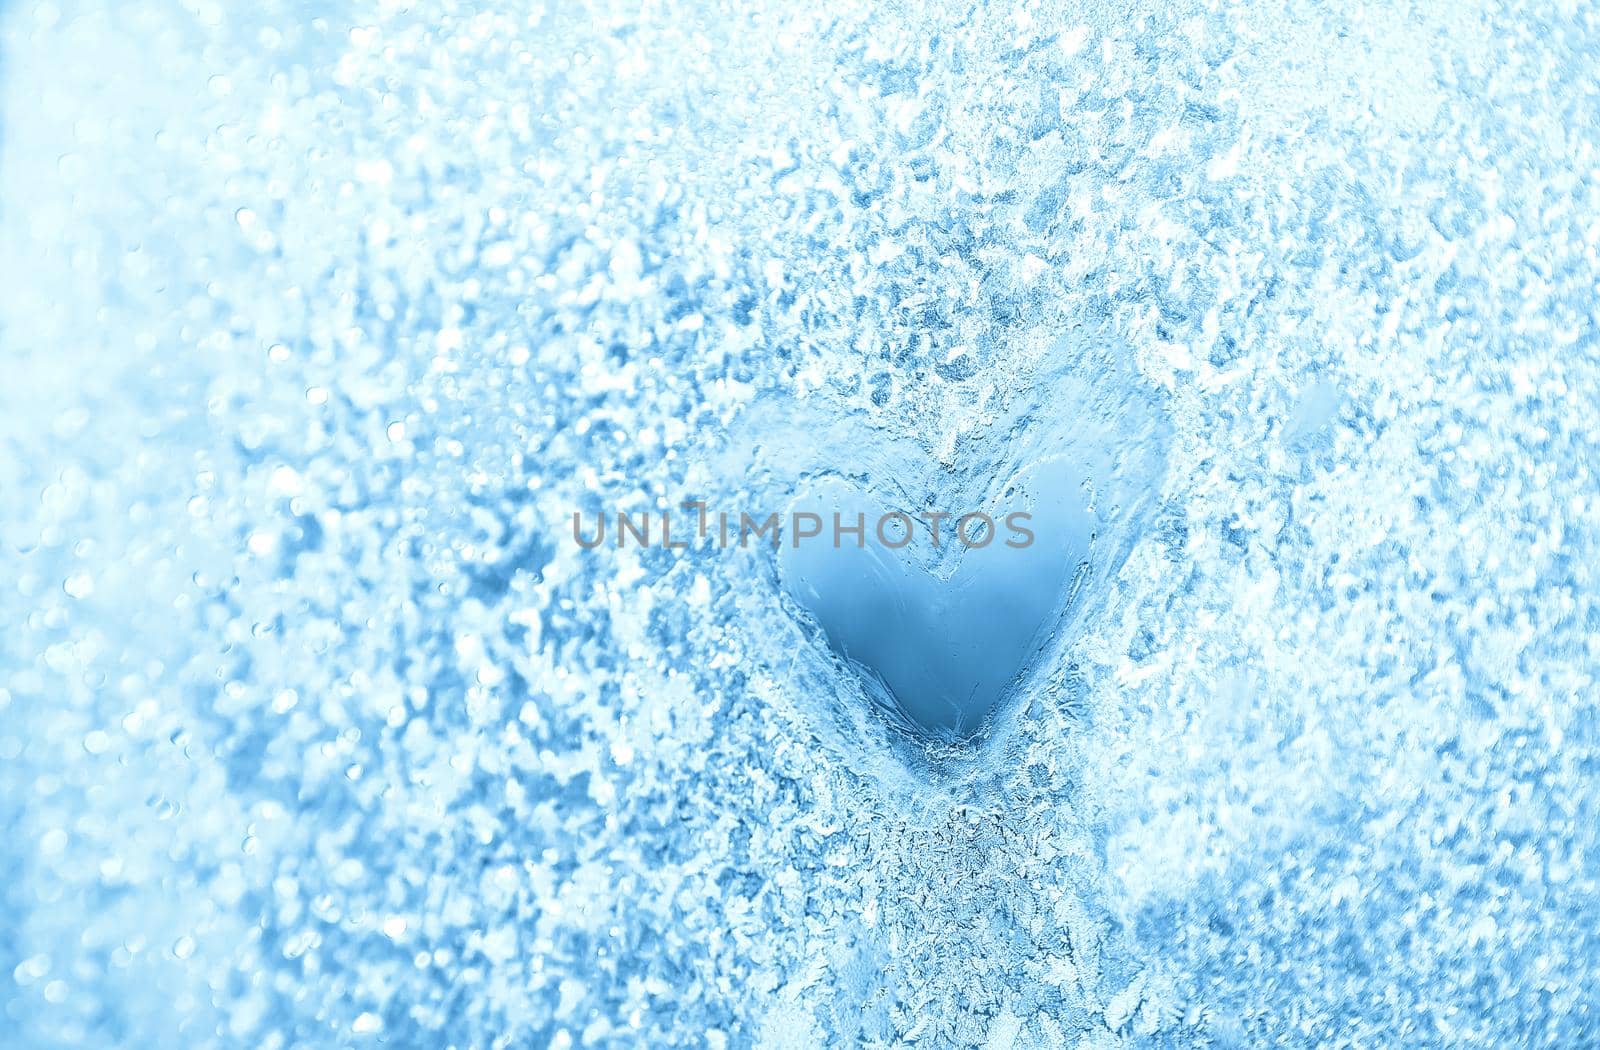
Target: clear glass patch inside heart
{"x": 942, "y": 621}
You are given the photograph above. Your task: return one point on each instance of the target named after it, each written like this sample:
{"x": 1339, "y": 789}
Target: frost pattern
{"x": 319, "y": 323}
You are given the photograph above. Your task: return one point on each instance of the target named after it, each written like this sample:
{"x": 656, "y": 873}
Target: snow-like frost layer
{"x": 318, "y": 324}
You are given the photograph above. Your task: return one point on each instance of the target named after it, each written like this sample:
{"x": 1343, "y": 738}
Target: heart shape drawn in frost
{"x": 942, "y": 636}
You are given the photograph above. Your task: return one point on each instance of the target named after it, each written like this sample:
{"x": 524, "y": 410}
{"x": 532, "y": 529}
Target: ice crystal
{"x": 320, "y": 322}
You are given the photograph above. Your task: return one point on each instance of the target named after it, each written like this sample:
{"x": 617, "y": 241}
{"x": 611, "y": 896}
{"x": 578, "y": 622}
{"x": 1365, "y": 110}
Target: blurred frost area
{"x": 316, "y": 324}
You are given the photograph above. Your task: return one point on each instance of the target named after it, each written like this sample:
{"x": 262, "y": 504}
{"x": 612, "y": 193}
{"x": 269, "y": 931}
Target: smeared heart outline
{"x": 943, "y": 637}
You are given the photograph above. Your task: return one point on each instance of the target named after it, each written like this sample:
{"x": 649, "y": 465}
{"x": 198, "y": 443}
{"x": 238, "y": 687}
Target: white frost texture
{"x": 319, "y": 322}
